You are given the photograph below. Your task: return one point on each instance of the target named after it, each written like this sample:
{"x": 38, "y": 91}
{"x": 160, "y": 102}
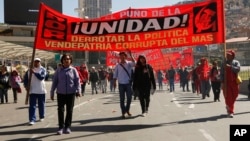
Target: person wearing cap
{"x": 229, "y": 72}
{"x": 144, "y": 81}
{"x": 37, "y": 90}
{"x": 66, "y": 82}
{"x": 123, "y": 73}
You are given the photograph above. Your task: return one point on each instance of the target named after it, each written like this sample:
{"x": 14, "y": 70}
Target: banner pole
{"x": 32, "y": 59}
{"x": 225, "y": 49}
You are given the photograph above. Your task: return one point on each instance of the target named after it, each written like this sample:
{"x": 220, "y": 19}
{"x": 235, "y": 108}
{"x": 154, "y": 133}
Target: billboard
{"x": 25, "y": 12}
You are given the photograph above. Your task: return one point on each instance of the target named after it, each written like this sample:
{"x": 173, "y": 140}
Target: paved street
{"x": 182, "y": 116}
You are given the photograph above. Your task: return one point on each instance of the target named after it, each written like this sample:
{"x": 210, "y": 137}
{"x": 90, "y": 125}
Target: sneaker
{"x": 231, "y": 115}
{"x": 31, "y": 123}
{"x": 41, "y": 120}
{"x": 60, "y": 132}
{"x": 144, "y": 114}
{"x": 66, "y": 131}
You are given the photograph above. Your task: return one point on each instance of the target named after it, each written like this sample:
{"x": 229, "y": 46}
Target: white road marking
{"x": 176, "y": 102}
{"x": 206, "y": 135}
{"x": 191, "y": 106}
{"x": 48, "y": 125}
{"x": 33, "y": 136}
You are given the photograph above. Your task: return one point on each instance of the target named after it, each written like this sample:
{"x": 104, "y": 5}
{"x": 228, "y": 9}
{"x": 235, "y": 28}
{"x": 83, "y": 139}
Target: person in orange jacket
{"x": 229, "y": 72}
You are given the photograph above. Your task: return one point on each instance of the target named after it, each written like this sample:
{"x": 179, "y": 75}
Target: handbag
{"x": 238, "y": 79}
{"x": 19, "y": 90}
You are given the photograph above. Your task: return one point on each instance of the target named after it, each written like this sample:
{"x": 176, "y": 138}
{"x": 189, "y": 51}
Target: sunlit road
{"x": 175, "y": 116}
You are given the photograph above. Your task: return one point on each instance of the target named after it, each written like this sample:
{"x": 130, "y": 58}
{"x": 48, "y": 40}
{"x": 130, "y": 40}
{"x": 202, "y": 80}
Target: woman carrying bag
{"x": 144, "y": 81}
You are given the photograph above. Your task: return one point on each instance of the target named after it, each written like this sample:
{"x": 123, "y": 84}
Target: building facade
{"x": 92, "y": 9}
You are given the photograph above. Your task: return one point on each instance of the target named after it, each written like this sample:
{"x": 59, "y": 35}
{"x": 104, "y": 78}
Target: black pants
{"x": 193, "y": 87}
{"x": 83, "y": 85}
{"x": 216, "y": 89}
{"x": 185, "y": 84}
{"x": 4, "y": 95}
{"x": 62, "y": 100}
{"x": 144, "y": 96}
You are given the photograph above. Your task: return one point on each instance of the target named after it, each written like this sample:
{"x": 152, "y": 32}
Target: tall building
{"x": 93, "y": 9}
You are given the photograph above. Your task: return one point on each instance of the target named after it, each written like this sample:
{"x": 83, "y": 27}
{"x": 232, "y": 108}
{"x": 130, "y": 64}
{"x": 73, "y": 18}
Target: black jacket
{"x": 144, "y": 80}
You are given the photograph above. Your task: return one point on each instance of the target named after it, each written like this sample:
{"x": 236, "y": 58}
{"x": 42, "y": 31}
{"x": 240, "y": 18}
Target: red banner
{"x": 134, "y": 29}
{"x": 159, "y": 59}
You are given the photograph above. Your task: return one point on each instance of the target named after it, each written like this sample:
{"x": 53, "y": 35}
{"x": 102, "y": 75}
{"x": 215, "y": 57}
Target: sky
{"x": 117, "y": 5}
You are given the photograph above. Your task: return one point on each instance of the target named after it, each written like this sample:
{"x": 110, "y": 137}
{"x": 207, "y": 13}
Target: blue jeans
{"x": 171, "y": 85}
{"x": 125, "y": 89}
{"x": 32, "y": 108}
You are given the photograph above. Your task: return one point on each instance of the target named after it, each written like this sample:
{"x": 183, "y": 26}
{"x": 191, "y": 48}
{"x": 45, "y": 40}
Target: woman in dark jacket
{"x": 143, "y": 81}
{"x": 4, "y": 84}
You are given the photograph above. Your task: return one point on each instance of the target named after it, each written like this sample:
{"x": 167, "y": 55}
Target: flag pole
{"x": 225, "y": 49}
{"x": 32, "y": 60}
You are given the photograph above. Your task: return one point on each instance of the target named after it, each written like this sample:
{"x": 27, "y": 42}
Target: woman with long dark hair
{"x": 143, "y": 81}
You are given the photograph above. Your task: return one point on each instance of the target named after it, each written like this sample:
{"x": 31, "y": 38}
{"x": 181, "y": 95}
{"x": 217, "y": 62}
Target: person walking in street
{"x": 103, "y": 75}
{"x": 93, "y": 79}
{"x": 192, "y": 78}
{"x": 196, "y": 79}
{"x": 229, "y": 73}
{"x": 180, "y": 72}
{"x": 37, "y": 90}
{"x": 185, "y": 80}
{"x": 66, "y": 82}
{"x": 144, "y": 80}
{"x": 122, "y": 73}
{"x": 85, "y": 75}
{"x": 203, "y": 72}
{"x": 112, "y": 86}
{"x": 15, "y": 79}
{"x": 215, "y": 81}
{"x": 4, "y": 84}
{"x": 171, "y": 78}
{"x": 160, "y": 77}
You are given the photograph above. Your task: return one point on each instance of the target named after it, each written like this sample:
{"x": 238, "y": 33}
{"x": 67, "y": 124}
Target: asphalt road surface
{"x": 178, "y": 116}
